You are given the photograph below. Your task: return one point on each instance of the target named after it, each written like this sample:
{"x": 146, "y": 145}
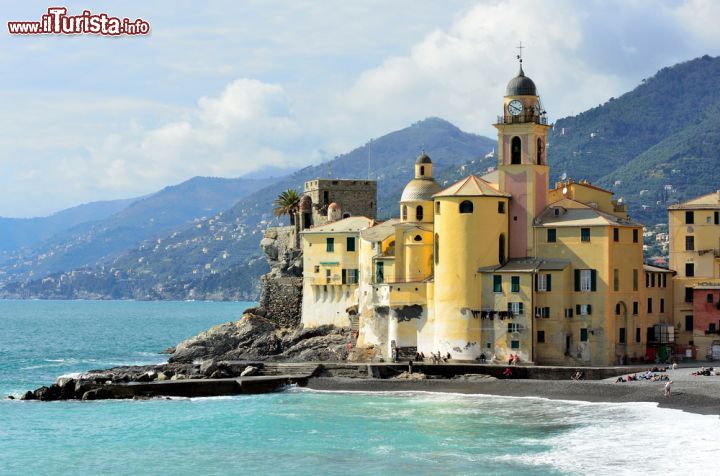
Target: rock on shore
{"x": 257, "y": 338}
{"x": 252, "y": 339}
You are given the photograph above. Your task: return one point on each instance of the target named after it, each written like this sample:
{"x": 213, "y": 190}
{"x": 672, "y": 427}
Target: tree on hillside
{"x": 287, "y": 203}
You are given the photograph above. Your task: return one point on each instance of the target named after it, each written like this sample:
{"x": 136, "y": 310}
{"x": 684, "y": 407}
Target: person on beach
{"x": 482, "y": 358}
{"x": 667, "y": 388}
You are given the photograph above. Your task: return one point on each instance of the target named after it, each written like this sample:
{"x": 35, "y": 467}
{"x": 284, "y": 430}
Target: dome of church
{"x": 423, "y": 159}
{"x": 420, "y": 190}
{"x": 521, "y": 85}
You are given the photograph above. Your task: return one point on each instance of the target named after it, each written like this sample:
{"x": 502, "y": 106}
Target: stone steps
{"x": 294, "y": 369}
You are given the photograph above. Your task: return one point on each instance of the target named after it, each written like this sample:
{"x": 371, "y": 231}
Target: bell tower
{"x": 522, "y": 164}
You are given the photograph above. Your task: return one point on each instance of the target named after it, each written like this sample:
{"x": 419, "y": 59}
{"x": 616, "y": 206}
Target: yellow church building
{"x": 493, "y": 266}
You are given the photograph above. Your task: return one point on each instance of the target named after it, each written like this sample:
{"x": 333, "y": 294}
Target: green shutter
{"x": 589, "y": 309}
{"x": 549, "y": 282}
{"x": 577, "y": 280}
{"x": 593, "y": 280}
{"x": 577, "y": 309}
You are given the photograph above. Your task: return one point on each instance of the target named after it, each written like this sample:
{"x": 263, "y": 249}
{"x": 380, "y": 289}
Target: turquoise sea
{"x": 299, "y": 432}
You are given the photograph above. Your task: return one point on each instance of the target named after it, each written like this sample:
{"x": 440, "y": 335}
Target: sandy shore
{"x": 692, "y": 394}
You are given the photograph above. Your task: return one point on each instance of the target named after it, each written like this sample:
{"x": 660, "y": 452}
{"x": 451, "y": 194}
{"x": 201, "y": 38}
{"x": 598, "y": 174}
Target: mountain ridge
{"x": 653, "y": 146}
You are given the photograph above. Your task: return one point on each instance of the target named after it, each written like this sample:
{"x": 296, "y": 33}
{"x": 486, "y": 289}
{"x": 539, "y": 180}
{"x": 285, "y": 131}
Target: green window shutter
{"x": 497, "y": 283}
{"x": 577, "y": 280}
{"x": 593, "y": 280}
{"x": 549, "y": 282}
{"x": 344, "y": 276}
{"x": 577, "y": 309}
{"x": 589, "y": 309}
{"x": 350, "y": 243}
{"x": 536, "y": 282}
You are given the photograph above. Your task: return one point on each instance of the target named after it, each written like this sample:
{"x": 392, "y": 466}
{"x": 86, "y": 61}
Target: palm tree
{"x": 287, "y": 203}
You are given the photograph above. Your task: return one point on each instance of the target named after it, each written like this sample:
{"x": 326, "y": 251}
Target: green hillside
{"x": 656, "y": 145}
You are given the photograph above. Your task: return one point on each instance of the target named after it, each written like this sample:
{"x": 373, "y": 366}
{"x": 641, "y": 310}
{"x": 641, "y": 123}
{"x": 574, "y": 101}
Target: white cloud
{"x": 91, "y": 118}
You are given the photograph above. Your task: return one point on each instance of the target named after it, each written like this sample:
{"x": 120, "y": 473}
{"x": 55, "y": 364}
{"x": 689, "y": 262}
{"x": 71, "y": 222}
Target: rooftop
{"x": 710, "y": 201}
{"x": 420, "y": 189}
{"x": 381, "y": 231}
{"x": 527, "y": 265}
{"x": 574, "y": 213}
{"x": 657, "y": 269}
{"x": 471, "y": 186}
{"x": 346, "y": 225}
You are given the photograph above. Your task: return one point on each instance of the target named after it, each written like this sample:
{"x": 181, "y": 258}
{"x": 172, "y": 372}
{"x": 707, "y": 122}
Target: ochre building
{"x": 695, "y": 254}
{"x": 493, "y": 266}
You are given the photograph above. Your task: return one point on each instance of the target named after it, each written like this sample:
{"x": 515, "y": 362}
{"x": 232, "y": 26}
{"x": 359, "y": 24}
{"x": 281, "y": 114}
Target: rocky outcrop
{"x": 231, "y": 350}
{"x": 258, "y": 338}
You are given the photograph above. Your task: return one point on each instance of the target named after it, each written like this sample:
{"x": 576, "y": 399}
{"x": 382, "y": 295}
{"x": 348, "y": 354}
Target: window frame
{"x": 514, "y": 284}
{"x": 585, "y": 235}
{"x": 497, "y": 284}
{"x": 690, "y": 270}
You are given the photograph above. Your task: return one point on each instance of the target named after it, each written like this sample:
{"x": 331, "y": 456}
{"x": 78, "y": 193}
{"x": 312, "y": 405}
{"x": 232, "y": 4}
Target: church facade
{"x": 495, "y": 265}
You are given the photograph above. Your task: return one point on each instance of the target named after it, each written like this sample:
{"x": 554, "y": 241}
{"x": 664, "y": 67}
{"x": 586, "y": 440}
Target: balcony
{"x": 522, "y": 118}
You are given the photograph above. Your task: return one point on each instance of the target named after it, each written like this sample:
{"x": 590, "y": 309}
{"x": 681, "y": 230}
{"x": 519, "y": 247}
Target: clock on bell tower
{"x": 522, "y": 164}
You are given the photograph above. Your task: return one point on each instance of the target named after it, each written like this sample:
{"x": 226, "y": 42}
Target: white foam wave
{"x": 631, "y": 437}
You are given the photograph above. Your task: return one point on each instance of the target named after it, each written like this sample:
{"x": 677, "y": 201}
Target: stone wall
{"x": 281, "y": 298}
{"x": 355, "y": 197}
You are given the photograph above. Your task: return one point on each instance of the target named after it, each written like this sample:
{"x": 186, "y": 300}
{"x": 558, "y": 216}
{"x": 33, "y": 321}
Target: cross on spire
{"x": 519, "y": 56}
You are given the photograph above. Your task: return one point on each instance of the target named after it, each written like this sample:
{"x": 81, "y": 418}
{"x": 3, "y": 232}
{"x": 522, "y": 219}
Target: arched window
{"x": 404, "y": 212}
{"x": 437, "y": 248}
{"x": 539, "y": 152}
{"x": 501, "y": 248}
{"x": 419, "y": 213}
{"x": 422, "y": 170}
{"x": 466, "y": 206}
{"x": 515, "y": 150}
{"x": 617, "y": 309}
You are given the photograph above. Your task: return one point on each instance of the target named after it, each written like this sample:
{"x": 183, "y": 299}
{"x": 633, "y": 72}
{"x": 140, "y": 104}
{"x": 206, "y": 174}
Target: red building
{"x": 706, "y": 309}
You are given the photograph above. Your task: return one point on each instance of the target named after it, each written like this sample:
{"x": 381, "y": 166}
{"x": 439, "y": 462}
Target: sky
{"x": 225, "y": 88}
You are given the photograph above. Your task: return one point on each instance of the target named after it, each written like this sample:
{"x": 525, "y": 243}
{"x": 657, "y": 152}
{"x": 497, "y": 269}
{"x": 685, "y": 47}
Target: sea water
{"x": 299, "y": 431}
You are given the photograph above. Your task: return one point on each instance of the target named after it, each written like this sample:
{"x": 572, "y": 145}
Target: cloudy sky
{"x": 233, "y": 86}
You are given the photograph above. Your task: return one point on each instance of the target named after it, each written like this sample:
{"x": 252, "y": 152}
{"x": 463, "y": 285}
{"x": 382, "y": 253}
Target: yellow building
{"x": 495, "y": 266}
{"x": 694, "y": 228}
